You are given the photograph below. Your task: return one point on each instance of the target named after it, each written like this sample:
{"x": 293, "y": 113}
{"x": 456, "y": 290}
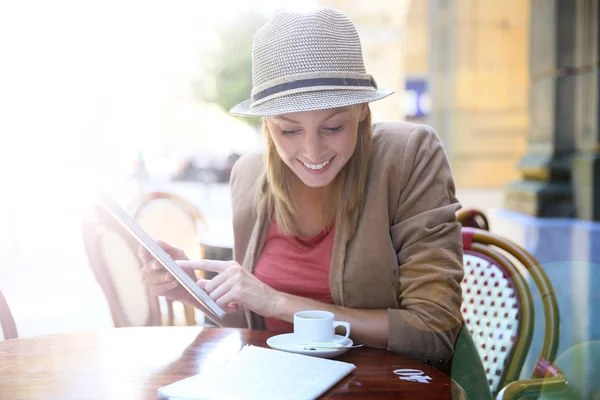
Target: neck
{"x": 310, "y": 195}
{"x": 315, "y": 202}
{"x": 315, "y": 196}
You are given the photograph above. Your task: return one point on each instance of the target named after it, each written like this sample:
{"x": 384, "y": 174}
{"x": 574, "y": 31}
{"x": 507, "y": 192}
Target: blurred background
{"x": 131, "y": 98}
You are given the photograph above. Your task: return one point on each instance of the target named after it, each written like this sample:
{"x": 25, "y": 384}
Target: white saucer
{"x": 287, "y": 342}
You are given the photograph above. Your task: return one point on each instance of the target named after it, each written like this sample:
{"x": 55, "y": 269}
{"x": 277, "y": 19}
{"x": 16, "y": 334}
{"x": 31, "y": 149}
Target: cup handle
{"x": 345, "y": 325}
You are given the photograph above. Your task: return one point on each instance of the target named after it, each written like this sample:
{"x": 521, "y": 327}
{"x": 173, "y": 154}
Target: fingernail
{"x": 167, "y": 277}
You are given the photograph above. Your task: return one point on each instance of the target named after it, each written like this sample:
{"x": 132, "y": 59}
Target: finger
{"x": 232, "y": 307}
{"x": 162, "y": 288}
{"x": 155, "y": 265}
{"x": 202, "y": 283}
{"x": 219, "y": 280}
{"x": 220, "y": 290}
{"x": 151, "y": 264}
{"x": 143, "y": 254}
{"x": 147, "y": 271}
{"x": 229, "y": 297}
{"x": 156, "y": 279}
{"x": 206, "y": 265}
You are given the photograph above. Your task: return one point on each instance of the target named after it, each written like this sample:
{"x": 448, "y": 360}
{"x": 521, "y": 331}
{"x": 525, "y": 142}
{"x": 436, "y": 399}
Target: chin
{"x": 316, "y": 185}
{"x": 316, "y": 182}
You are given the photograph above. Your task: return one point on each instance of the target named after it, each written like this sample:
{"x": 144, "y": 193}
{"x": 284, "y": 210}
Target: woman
{"x": 339, "y": 214}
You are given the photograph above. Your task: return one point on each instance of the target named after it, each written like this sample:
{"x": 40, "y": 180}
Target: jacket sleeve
{"x": 428, "y": 241}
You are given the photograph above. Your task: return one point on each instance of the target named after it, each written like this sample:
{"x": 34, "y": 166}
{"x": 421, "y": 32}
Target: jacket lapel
{"x": 336, "y": 270}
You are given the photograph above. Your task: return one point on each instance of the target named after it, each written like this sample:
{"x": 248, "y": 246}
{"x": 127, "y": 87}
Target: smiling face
{"x": 317, "y": 144}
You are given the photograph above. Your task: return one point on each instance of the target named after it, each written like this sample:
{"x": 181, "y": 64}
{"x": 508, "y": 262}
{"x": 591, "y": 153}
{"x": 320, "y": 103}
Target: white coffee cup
{"x": 318, "y": 326}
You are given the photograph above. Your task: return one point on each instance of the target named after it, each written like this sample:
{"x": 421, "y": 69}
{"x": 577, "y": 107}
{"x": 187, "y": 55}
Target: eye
{"x": 292, "y": 132}
{"x": 335, "y": 129}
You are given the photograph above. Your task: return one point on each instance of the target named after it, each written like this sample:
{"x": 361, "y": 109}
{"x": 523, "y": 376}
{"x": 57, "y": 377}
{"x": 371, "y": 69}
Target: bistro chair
{"x": 113, "y": 257}
{"x": 175, "y": 220}
{"x": 7, "y": 322}
{"x": 498, "y": 312}
{"x": 472, "y": 218}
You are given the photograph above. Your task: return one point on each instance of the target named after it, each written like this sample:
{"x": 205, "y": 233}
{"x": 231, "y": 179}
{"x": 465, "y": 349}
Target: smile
{"x": 316, "y": 166}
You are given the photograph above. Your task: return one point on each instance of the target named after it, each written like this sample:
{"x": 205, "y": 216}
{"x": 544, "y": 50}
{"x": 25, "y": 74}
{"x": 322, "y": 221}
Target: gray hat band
{"x": 315, "y": 84}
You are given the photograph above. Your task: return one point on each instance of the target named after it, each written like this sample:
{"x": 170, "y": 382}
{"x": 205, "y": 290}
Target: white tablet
{"x": 123, "y": 218}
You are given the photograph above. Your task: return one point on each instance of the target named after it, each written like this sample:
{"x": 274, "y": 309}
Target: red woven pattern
{"x": 491, "y": 311}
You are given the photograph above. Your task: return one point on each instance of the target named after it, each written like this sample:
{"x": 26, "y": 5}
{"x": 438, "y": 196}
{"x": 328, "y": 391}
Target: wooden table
{"x": 131, "y": 363}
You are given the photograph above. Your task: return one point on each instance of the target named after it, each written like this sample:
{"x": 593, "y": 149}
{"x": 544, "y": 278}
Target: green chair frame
{"x": 497, "y": 248}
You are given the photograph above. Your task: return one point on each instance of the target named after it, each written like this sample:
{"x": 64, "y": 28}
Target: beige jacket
{"x": 406, "y": 256}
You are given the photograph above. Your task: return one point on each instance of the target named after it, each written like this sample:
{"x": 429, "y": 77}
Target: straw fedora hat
{"x": 308, "y": 61}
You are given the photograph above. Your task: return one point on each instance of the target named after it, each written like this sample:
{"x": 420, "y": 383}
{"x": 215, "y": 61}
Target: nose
{"x": 313, "y": 147}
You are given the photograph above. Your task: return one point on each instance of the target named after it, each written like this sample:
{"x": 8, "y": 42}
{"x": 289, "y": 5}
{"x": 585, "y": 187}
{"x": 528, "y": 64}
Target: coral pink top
{"x": 296, "y": 265}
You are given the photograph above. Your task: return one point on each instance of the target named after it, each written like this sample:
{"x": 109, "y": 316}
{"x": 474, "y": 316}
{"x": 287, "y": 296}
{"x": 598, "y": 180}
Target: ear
{"x": 363, "y": 109}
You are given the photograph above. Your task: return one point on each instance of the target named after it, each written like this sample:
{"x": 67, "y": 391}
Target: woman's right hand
{"x": 159, "y": 281}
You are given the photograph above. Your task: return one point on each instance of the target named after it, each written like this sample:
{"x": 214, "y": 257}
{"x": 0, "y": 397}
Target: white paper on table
{"x": 259, "y": 373}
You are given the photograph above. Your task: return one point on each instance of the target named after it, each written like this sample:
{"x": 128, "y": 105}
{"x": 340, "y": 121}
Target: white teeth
{"x": 317, "y": 166}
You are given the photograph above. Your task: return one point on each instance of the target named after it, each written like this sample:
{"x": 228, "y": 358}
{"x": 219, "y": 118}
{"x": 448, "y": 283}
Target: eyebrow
{"x": 342, "y": 110}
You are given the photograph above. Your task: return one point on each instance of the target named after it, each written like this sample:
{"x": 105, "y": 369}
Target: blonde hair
{"x": 277, "y": 183}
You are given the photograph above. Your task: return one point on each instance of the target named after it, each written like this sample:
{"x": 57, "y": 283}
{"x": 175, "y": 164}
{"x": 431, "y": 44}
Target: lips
{"x": 317, "y": 168}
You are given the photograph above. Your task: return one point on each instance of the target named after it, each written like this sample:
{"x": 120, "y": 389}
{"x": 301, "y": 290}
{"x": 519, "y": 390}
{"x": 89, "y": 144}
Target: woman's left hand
{"x": 234, "y": 286}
